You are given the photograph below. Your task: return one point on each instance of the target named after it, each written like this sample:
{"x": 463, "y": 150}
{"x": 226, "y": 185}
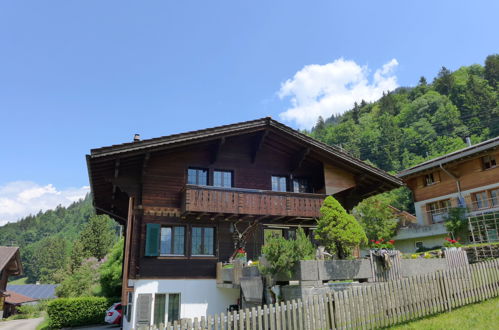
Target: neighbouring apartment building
{"x": 465, "y": 178}
{"x": 190, "y": 200}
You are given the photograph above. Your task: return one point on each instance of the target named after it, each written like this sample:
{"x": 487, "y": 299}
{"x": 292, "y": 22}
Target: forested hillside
{"x": 410, "y": 125}
{"x": 51, "y": 241}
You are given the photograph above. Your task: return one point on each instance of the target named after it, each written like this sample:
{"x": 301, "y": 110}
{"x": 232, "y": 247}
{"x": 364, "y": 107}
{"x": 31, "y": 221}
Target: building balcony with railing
{"x": 239, "y": 202}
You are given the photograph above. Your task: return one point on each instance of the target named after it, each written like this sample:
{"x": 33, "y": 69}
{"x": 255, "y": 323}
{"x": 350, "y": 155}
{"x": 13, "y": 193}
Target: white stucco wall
{"x": 197, "y": 297}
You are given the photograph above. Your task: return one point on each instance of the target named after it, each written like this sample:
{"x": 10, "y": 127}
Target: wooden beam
{"x": 258, "y": 143}
{"x": 126, "y": 257}
{"x": 147, "y": 156}
{"x": 216, "y": 150}
{"x": 216, "y": 215}
{"x": 116, "y": 174}
{"x": 298, "y": 159}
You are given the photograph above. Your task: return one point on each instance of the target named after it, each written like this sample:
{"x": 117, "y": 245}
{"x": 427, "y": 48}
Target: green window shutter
{"x": 152, "y": 239}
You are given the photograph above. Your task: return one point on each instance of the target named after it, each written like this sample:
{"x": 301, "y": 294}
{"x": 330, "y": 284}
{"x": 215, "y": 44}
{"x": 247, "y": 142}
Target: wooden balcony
{"x": 249, "y": 202}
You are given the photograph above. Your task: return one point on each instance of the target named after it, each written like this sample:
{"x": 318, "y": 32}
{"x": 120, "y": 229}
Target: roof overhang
{"x": 100, "y": 156}
{"x": 453, "y": 157}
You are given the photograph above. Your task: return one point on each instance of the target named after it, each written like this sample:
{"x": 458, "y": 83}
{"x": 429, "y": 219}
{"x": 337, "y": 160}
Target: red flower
{"x": 372, "y": 240}
{"x": 377, "y": 242}
{"x": 391, "y": 241}
{"x": 453, "y": 241}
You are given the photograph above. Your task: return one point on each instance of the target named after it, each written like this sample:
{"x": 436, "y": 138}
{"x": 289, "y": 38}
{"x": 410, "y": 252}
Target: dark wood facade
{"x": 154, "y": 173}
{"x": 10, "y": 265}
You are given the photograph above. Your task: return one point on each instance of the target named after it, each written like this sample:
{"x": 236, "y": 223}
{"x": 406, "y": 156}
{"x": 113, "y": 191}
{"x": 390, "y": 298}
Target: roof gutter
{"x": 458, "y": 184}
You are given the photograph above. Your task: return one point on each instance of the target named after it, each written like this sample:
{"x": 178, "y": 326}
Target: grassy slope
{"x": 21, "y": 280}
{"x": 484, "y": 315}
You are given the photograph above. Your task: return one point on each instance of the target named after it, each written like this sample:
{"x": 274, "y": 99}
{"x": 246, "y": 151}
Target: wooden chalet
{"x": 10, "y": 265}
{"x": 189, "y": 200}
{"x": 467, "y": 178}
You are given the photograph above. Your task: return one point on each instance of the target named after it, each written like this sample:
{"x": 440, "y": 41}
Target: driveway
{"x": 26, "y": 324}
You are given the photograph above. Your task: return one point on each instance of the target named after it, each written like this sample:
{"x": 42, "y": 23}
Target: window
{"x": 271, "y": 232}
{"x": 481, "y": 200}
{"x": 203, "y": 241}
{"x": 494, "y": 197}
{"x": 197, "y": 176}
{"x": 418, "y": 244}
{"x": 438, "y": 210}
{"x": 172, "y": 241}
{"x": 429, "y": 179}
{"x": 173, "y": 307}
{"x": 301, "y": 185}
{"x": 166, "y": 306}
{"x": 279, "y": 183}
{"x": 159, "y": 309}
{"x": 488, "y": 162}
{"x": 222, "y": 179}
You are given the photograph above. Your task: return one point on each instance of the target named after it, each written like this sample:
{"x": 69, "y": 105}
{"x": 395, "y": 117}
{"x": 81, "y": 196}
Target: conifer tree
{"x": 337, "y": 230}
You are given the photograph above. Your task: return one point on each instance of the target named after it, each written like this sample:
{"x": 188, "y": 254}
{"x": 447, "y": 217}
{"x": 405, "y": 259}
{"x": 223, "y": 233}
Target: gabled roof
{"x": 468, "y": 152}
{"x": 192, "y": 137}
{"x": 37, "y": 291}
{"x": 7, "y": 254}
{"x": 15, "y": 298}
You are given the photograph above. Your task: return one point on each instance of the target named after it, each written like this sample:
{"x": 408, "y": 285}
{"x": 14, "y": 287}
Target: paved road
{"x": 26, "y": 324}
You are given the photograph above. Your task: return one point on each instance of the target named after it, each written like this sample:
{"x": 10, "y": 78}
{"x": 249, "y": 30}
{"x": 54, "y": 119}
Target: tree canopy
{"x": 337, "y": 230}
{"x": 413, "y": 124}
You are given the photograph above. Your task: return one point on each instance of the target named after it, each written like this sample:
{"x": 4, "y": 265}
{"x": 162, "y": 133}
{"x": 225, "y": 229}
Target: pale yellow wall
{"x": 409, "y": 245}
{"x": 337, "y": 180}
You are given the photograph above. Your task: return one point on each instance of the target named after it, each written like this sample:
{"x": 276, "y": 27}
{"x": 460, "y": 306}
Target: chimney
{"x": 468, "y": 141}
{"x": 136, "y": 137}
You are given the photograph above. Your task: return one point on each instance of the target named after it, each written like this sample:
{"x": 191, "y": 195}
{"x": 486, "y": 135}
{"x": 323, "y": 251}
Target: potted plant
{"x": 241, "y": 255}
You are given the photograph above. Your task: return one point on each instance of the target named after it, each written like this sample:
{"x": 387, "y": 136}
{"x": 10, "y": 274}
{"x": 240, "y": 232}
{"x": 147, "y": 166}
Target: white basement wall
{"x": 197, "y": 297}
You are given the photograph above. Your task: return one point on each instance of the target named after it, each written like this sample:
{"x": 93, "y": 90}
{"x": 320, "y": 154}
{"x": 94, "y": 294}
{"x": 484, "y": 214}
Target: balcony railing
{"x": 485, "y": 204}
{"x": 438, "y": 215}
{"x": 236, "y": 201}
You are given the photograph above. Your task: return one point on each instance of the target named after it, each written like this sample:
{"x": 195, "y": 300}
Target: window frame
{"x": 191, "y": 241}
{"x": 484, "y": 202}
{"x": 494, "y": 199}
{"x": 172, "y": 226}
{"x": 429, "y": 182}
{"x": 487, "y": 164}
{"x": 198, "y": 168}
{"x": 222, "y": 178}
{"x": 309, "y": 184}
{"x": 286, "y": 184}
{"x": 166, "y": 314}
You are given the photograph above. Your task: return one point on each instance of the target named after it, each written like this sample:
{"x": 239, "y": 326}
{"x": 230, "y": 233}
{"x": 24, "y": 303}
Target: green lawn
{"x": 483, "y": 315}
{"x": 21, "y": 280}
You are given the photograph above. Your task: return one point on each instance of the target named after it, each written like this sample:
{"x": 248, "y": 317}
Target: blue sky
{"x": 75, "y": 75}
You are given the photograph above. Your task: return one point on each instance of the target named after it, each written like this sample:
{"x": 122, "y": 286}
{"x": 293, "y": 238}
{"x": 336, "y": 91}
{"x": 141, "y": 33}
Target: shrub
{"x": 337, "y": 230}
{"x": 71, "y": 312}
{"x": 282, "y": 254}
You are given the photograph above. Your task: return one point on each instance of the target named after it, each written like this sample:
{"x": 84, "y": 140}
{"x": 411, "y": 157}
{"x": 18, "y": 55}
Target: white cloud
{"x": 332, "y": 88}
{"x": 21, "y": 198}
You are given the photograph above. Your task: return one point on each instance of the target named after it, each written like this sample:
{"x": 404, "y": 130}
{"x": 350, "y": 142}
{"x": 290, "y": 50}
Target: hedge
{"x": 70, "y": 312}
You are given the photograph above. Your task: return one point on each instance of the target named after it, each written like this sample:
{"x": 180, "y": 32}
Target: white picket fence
{"x": 370, "y": 306}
